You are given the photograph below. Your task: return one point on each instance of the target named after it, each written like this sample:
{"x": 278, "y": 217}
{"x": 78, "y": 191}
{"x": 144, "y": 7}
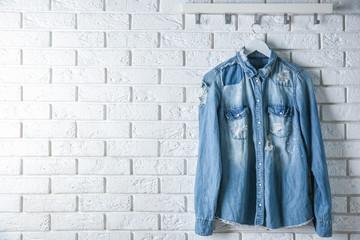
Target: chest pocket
{"x": 238, "y": 122}
{"x": 280, "y": 119}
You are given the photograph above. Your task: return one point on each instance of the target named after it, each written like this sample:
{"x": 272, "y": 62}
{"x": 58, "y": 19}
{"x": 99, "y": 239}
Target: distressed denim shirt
{"x": 261, "y": 158}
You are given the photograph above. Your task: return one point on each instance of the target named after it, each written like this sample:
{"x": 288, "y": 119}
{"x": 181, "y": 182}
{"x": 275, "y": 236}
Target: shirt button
{"x": 259, "y": 122}
{"x": 259, "y": 142}
{"x": 260, "y": 184}
{"x": 280, "y": 112}
{"x": 260, "y": 204}
{"x": 257, "y": 80}
{"x": 260, "y": 163}
{"x": 258, "y": 100}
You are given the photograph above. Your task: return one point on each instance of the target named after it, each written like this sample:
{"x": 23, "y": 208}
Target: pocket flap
{"x": 280, "y": 110}
{"x": 238, "y": 112}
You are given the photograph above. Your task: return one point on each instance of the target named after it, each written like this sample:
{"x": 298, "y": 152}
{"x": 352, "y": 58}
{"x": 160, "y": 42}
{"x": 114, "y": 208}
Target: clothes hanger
{"x": 257, "y": 45}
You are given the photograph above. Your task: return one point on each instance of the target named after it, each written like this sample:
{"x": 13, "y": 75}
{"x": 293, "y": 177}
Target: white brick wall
{"x": 98, "y": 114}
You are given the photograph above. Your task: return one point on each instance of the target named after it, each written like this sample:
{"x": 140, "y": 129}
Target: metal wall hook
{"x": 316, "y": 20}
{"x": 256, "y": 18}
{"x": 227, "y": 18}
{"x": 197, "y": 18}
{"x": 286, "y": 19}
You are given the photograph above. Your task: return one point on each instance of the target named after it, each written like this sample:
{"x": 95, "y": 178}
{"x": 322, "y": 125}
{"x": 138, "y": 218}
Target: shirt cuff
{"x": 323, "y": 228}
{"x": 204, "y": 227}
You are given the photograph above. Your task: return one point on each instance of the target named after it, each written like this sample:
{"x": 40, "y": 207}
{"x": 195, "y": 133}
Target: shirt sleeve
{"x": 314, "y": 145}
{"x": 208, "y": 169}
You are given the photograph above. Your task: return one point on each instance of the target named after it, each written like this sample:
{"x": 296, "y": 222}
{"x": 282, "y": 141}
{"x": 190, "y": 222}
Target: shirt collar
{"x": 250, "y": 70}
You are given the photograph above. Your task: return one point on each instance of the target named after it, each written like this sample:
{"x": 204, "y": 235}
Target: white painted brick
{"x": 103, "y": 21}
{"x": 270, "y": 236}
{"x": 335, "y": 41}
{"x": 159, "y": 166}
{"x": 328, "y": 23}
{"x": 329, "y": 94}
{"x": 78, "y": 5}
{"x": 10, "y": 166}
{"x": 158, "y": 94}
{"x": 103, "y": 57}
{"x": 108, "y": 166}
{"x": 133, "y": 76}
{"x": 24, "y": 222}
{"x": 107, "y": 203}
{"x": 100, "y": 235}
{"x": 209, "y": 23}
{"x": 133, "y": 111}
{"x": 177, "y": 221}
{"x": 77, "y": 184}
{"x": 354, "y": 167}
{"x": 131, "y": 148}
{"x": 133, "y": 221}
{"x": 204, "y": 58}
{"x": 163, "y": 235}
{"x": 318, "y": 58}
{"x": 185, "y": 40}
{"x": 10, "y": 203}
{"x": 24, "y": 39}
{"x": 116, "y": 5}
{"x": 48, "y": 57}
{"x": 344, "y": 186}
{"x": 353, "y": 59}
{"x": 336, "y": 167}
{"x": 341, "y": 112}
{"x": 340, "y": 76}
{"x": 191, "y": 166}
{"x": 293, "y": 41}
{"x": 193, "y": 93}
{"x": 80, "y": 111}
{"x": 346, "y": 223}
{"x": 354, "y": 236}
{"x": 333, "y": 130}
{"x": 178, "y": 148}
{"x": 179, "y": 112}
{"x": 10, "y": 20}
{"x": 104, "y": 94}
{"x": 77, "y": 148}
{"x": 157, "y": 58}
{"x": 48, "y": 129}
{"x": 10, "y": 56}
{"x": 342, "y": 149}
{"x": 77, "y": 39}
{"x": 176, "y": 6}
{"x": 49, "y": 166}
{"x": 45, "y": 20}
{"x": 24, "y": 148}
{"x": 132, "y": 184}
{"x": 24, "y": 75}
{"x": 52, "y": 93}
{"x": 132, "y": 39}
{"x": 156, "y": 21}
{"x": 215, "y": 236}
{"x": 24, "y": 111}
{"x": 352, "y": 22}
{"x": 10, "y": 93}
{"x": 339, "y": 204}
{"x": 157, "y": 130}
{"x": 24, "y": 185}
{"x": 49, "y": 203}
{"x": 268, "y": 23}
{"x": 78, "y": 75}
{"x": 355, "y": 204}
{"x": 77, "y": 221}
{"x": 142, "y": 6}
{"x": 182, "y": 76}
{"x": 51, "y": 235}
{"x": 25, "y": 5}
{"x": 184, "y": 184}
{"x": 103, "y": 129}
{"x": 353, "y": 94}
{"x": 159, "y": 203}
{"x": 234, "y": 40}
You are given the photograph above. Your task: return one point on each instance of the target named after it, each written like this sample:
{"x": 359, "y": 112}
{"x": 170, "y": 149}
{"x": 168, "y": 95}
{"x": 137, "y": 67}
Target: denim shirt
{"x": 261, "y": 158}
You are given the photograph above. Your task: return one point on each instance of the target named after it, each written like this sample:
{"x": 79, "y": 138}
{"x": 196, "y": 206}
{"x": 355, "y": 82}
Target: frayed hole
{"x": 284, "y": 76}
{"x": 203, "y": 93}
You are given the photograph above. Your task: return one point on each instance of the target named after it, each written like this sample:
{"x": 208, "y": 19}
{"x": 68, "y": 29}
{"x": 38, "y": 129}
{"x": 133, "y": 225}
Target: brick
{"x": 178, "y": 112}
{"x": 352, "y": 22}
{"x": 158, "y": 21}
{"x": 78, "y": 5}
{"x": 48, "y": 129}
{"x": 133, "y": 111}
{"x": 24, "y": 148}
{"x": 80, "y": 111}
{"x": 104, "y": 94}
{"x": 24, "y": 222}
{"x": 344, "y": 186}
{"x": 10, "y": 166}
{"x": 278, "y": 236}
{"x": 79, "y": 39}
{"x": 10, "y": 93}
{"x": 318, "y": 58}
{"x": 96, "y": 235}
{"x": 178, "y": 148}
{"x": 293, "y": 40}
{"x": 49, "y": 166}
{"x": 77, "y": 184}
{"x": 329, "y": 94}
{"x": 268, "y": 23}
{"x": 24, "y": 185}
{"x": 49, "y": 203}
{"x": 52, "y": 93}
{"x": 158, "y": 94}
{"x": 158, "y": 166}
{"x": 131, "y": 148}
{"x": 10, "y": 203}
{"x": 183, "y": 76}
{"x": 346, "y": 223}
{"x": 185, "y": 40}
{"x": 157, "y": 130}
{"x": 202, "y": 58}
{"x": 353, "y": 59}
{"x": 314, "y": 236}
{"x": 339, "y": 204}
{"x": 50, "y": 235}
{"x": 24, "y": 39}
{"x": 234, "y": 40}
{"x": 91, "y": 57}
{"x": 342, "y": 149}
{"x": 132, "y": 221}
{"x": 336, "y": 167}
{"x": 183, "y": 184}
{"x": 178, "y": 221}
{"x": 24, "y": 75}
{"x": 78, "y": 75}
{"x": 161, "y": 203}
{"x": 132, "y": 185}
{"x": 24, "y": 111}
{"x": 100, "y": 166}
{"x": 335, "y": 41}
{"x": 103, "y": 129}
{"x": 355, "y": 204}
{"x": 354, "y": 167}
{"x": 107, "y": 203}
{"x": 333, "y": 130}
{"x": 77, "y": 148}
{"x": 133, "y": 76}
{"x": 103, "y": 21}
{"x": 77, "y": 221}
{"x": 46, "y": 20}
{"x": 353, "y": 130}
{"x": 10, "y": 56}
{"x": 340, "y": 76}
{"x": 328, "y": 23}
{"x": 132, "y": 39}
{"x": 10, "y": 20}
{"x": 157, "y": 58}
{"x": 160, "y": 235}
{"x": 25, "y": 5}
{"x": 48, "y": 57}
{"x": 209, "y": 22}
{"x": 344, "y": 112}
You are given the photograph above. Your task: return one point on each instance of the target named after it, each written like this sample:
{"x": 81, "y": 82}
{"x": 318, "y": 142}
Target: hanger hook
{"x": 316, "y": 20}
{"x": 286, "y": 19}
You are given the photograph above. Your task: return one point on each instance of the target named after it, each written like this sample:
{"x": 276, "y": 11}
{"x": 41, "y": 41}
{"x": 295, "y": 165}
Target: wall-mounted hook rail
{"x": 258, "y": 9}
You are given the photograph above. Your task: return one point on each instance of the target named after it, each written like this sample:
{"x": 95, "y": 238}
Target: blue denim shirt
{"x": 261, "y": 158}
